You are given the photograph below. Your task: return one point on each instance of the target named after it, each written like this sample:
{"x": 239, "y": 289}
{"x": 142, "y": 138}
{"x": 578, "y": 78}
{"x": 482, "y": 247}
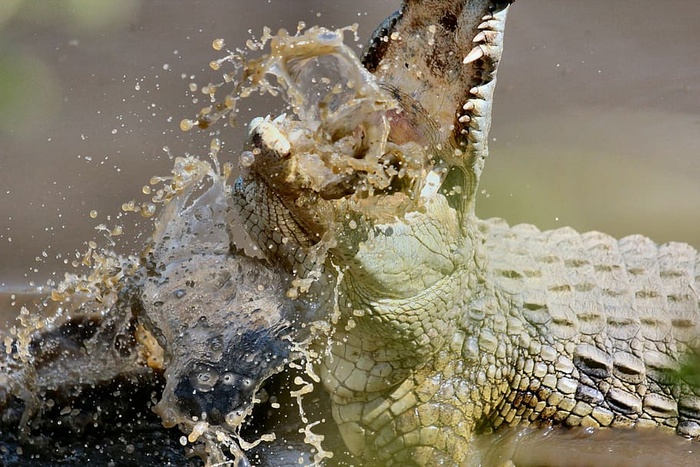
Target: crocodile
{"x": 451, "y": 326}
{"x": 445, "y": 327}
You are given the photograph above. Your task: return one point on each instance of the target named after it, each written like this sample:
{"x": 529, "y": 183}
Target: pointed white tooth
{"x": 279, "y": 118}
{"x": 254, "y": 124}
{"x": 475, "y": 54}
{"x": 275, "y": 140}
{"x": 432, "y": 184}
{"x": 269, "y": 134}
{"x": 469, "y": 105}
{"x": 481, "y": 37}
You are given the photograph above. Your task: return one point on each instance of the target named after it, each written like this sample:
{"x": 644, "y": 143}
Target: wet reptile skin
{"x": 443, "y": 326}
{"x": 451, "y": 326}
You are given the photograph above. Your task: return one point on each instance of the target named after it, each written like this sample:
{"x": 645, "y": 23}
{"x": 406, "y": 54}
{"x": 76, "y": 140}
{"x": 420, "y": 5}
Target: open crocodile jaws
{"x": 451, "y": 326}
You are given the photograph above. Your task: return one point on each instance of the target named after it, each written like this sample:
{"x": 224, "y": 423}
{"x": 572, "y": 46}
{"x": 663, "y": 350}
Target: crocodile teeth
{"x": 432, "y": 184}
{"x": 255, "y": 123}
{"x": 269, "y": 134}
{"x": 475, "y": 54}
{"x": 486, "y": 37}
{"x": 489, "y": 25}
{"x": 481, "y": 37}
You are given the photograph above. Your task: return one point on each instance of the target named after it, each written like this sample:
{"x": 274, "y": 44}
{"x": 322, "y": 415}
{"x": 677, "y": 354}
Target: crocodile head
{"x": 439, "y": 59}
{"x": 372, "y": 176}
{"x": 378, "y": 168}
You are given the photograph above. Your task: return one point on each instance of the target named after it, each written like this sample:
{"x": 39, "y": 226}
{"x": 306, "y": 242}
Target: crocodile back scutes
{"x": 628, "y": 288}
{"x": 621, "y": 316}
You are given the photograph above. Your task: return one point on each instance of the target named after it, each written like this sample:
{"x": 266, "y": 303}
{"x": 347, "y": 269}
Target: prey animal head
{"x": 222, "y": 318}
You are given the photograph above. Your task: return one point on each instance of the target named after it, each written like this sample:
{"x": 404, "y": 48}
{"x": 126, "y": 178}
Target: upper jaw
{"x": 443, "y": 56}
{"x": 377, "y": 146}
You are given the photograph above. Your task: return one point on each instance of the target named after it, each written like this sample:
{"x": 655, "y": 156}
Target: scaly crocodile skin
{"x": 595, "y": 326}
{"x": 578, "y": 329}
{"x": 451, "y": 326}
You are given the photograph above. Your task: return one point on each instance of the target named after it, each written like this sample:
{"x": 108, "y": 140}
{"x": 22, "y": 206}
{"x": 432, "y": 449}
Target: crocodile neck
{"x": 547, "y": 327}
{"x": 392, "y": 350}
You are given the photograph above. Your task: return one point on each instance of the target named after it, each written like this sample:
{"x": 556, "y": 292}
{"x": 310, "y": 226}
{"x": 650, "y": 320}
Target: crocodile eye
{"x": 216, "y": 344}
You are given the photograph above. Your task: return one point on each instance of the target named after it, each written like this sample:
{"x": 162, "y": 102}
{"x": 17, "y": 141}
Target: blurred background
{"x": 596, "y": 121}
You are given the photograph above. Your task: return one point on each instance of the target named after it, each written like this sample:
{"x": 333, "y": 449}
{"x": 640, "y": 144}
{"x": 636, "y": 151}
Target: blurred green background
{"x": 596, "y": 121}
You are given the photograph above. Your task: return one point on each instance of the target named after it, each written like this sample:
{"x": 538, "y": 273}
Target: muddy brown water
{"x": 596, "y": 120}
